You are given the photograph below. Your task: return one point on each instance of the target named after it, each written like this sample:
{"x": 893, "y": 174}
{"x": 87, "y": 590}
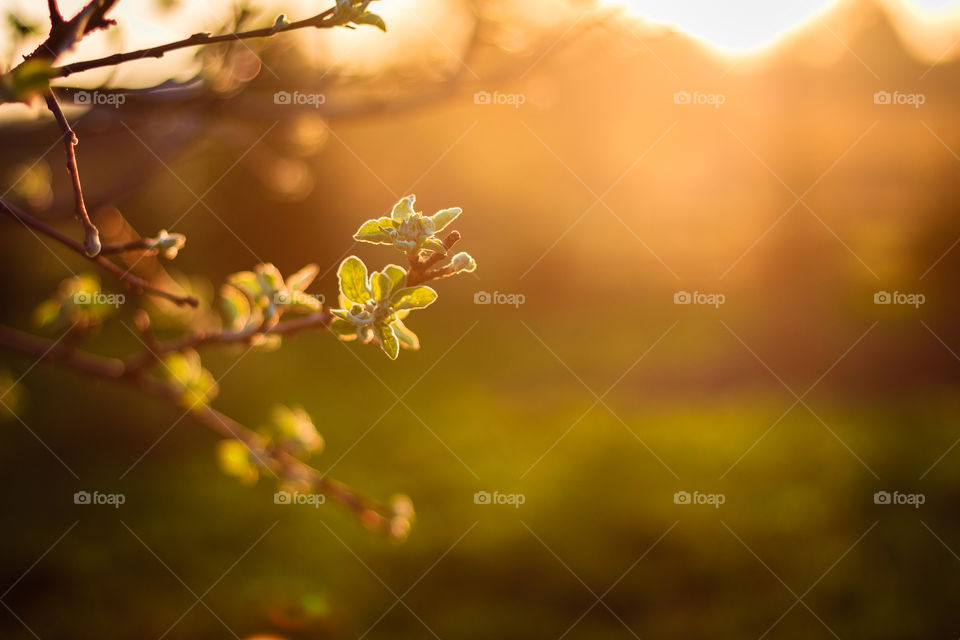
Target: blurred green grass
{"x": 599, "y": 499}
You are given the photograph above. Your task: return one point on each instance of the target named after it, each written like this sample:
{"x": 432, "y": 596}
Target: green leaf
{"x": 388, "y": 340}
{"x": 78, "y": 301}
{"x": 245, "y": 281}
{"x": 236, "y": 307}
{"x": 408, "y": 339}
{"x": 372, "y": 231}
{"x": 371, "y": 18}
{"x": 183, "y": 366}
{"x": 26, "y": 81}
{"x": 397, "y": 275}
{"x": 302, "y": 279}
{"x": 441, "y": 219}
{"x": 413, "y": 298}
{"x": 403, "y": 209}
{"x": 346, "y": 331}
{"x": 353, "y": 280}
{"x": 305, "y": 300}
{"x": 266, "y": 342}
{"x": 236, "y": 460}
{"x": 434, "y": 244}
{"x": 47, "y": 313}
{"x": 197, "y": 385}
{"x": 22, "y": 28}
{"x": 270, "y": 279}
{"x": 293, "y": 427}
{"x": 381, "y": 285}
{"x": 11, "y": 396}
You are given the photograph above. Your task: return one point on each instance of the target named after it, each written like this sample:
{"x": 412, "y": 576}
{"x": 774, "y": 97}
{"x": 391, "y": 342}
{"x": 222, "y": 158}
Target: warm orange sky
{"x": 745, "y": 25}
{"x": 732, "y": 27}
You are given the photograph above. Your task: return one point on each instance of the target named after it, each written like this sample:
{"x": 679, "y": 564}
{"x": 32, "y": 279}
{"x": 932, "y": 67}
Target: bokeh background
{"x": 597, "y": 199}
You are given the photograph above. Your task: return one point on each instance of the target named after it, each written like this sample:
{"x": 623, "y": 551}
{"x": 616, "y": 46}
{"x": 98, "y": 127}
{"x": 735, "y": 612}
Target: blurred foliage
{"x": 186, "y": 371}
{"x": 79, "y": 302}
{"x": 31, "y": 183}
{"x": 27, "y": 82}
{"x": 11, "y": 396}
{"x": 236, "y": 460}
{"x": 267, "y": 292}
{"x": 292, "y": 429}
{"x": 487, "y": 399}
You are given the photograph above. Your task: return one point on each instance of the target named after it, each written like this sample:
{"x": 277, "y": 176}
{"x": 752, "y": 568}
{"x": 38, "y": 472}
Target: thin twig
{"x": 321, "y": 319}
{"x": 91, "y": 241}
{"x": 371, "y": 513}
{"x": 132, "y": 281}
{"x": 44, "y": 350}
{"x": 322, "y": 20}
{"x": 420, "y": 270}
{"x": 65, "y": 34}
{"x": 140, "y": 244}
{"x": 56, "y": 18}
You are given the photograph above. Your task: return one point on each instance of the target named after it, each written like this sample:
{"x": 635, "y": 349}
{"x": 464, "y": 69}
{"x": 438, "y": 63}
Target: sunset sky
{"x": 732, "y": 26}
{"x": 737, "y": 27}
{"x": 744, "y": 25}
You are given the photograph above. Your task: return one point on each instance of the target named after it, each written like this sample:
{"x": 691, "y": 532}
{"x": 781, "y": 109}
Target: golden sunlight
{"x": 744, "y": 26}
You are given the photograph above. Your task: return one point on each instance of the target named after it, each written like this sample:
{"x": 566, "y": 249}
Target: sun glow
{"x": 744, "y": 26}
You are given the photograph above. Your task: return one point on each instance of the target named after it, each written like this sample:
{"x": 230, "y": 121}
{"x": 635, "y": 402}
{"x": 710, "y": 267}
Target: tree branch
{"x": 323, "y": 20}
{"x": 134, "y": 371}
{"x": 91, "y": 242}
{"x": 321, "y": 319}
{"x": 420, "y": 270}
{"x": 134, "y": 282}
{"x": 140, "y": 244}
{"x": 419, "y": 273}
{"x": 372, "y": 514}
{"x": 43, "y": 350}
{"x": 65, "y": 34}
{"x": 56, "y": 18}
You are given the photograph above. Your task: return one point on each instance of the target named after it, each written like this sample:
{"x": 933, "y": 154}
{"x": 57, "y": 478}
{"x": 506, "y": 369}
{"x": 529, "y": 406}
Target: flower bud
{"x": 427, "y": 226}
{"x": 463, "y": 261}
{"x": 169, "y": 244}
